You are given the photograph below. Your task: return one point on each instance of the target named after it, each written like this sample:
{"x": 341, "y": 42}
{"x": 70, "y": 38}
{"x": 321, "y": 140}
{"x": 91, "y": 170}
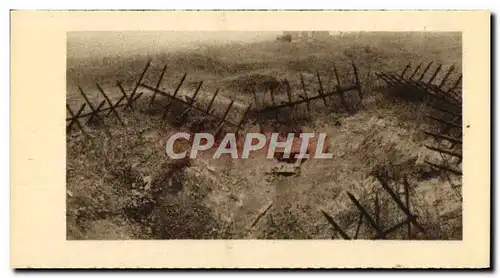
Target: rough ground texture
{"x": 122, "y": 185}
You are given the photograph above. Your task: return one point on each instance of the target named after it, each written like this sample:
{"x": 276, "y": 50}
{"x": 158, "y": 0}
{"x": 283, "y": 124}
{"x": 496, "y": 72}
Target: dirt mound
{"x": 254, "y": 82}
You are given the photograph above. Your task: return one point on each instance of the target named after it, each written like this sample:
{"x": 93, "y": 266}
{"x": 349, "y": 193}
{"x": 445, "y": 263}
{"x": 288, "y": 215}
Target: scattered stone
{"x": 147, "y": 182}
{"x": 210, "y": 168}
{"x": 69, "y": 193}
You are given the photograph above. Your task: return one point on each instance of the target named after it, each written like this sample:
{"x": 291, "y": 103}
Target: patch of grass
{"x": 122, "y": 185}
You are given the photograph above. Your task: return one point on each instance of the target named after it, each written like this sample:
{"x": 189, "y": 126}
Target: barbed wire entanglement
{"x": 370, "y": 214}
{"x": 435, "y": 87}
{"x": 92, "y": 112}
{"x": 444, "y": 98}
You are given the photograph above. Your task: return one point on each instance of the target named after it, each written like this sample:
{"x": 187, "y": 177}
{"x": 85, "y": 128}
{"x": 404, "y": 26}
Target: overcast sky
{"x": 88, "y": 44}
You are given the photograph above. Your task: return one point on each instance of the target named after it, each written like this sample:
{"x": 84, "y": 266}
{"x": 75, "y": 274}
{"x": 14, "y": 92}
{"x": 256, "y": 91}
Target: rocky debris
{"x": 147, "y": 180}
{"x": 210, "y": 168}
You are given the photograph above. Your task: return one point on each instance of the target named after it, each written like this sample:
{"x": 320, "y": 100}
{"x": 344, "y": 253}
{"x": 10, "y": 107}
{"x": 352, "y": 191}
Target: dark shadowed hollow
{"x": 394, "y": 146}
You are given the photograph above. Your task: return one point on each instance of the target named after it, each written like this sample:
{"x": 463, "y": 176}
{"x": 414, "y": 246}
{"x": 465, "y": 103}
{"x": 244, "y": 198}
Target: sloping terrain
{"x": 122, "y": 185}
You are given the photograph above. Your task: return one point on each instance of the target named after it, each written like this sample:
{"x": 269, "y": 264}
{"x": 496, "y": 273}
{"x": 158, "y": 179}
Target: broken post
{"x": 380, "y": 233}
{"x": 128, "y": 98}
{"x": 158, "y": 85}
{"x": 111, "y": 106}
{"x": 335, "y": 225}
{"x": 408, "y": 66}
{"x": 425, "y": 71}
{"x": 337, "y": 87}
{"x": 321, "y": 92}
{"x": 445, "y": 78}
{"x": 171, "y": 100}
{"x": 242, "y": 121}
{"x": 357, "y": 82}
{"x": 223, "y": 120}
{"x": 434, "y": 75}
{"x": 305, "y": 92}
{"x": 400, "y": 204}
{"x": 407, "y": 199}
{"x": 74, "y": 118}
{"x": 212, "y": 101}
{"x": 415, "y": 72}
{"x": 141, "y": 77}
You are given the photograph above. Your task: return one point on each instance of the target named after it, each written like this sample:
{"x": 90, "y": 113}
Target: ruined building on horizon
{"x": 307, "y": 34}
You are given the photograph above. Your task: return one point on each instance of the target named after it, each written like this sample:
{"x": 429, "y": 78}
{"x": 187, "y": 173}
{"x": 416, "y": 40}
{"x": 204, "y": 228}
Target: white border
{"x": 214, "y": 4}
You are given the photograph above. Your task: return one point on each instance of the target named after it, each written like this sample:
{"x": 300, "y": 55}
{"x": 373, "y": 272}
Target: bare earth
{"x": 123, "y": 185}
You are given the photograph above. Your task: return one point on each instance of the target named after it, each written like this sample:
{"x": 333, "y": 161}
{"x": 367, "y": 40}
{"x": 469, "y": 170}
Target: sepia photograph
{"x": 250, "y": 139}
{"x": 389, "y": 105}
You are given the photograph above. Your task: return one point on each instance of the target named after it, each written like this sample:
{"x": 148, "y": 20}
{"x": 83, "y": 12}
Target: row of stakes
{"x": 134, "y": 96}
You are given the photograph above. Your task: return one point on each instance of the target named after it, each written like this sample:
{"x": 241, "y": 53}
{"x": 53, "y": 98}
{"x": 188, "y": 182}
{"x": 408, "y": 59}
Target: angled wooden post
{"x": 179, "y": 85}
{"x": 407, "y": 199}
{"x": 408, "y": 66}
{"x": 128, "y": 98}
{"x": 171, "y": 100}
{"x": 288, "y": 90}
{"x": 425, "y": 71}
{"x": 409, "y": 84}
{"x": 255, "y": 97}
{"x": 387, "y": 80}
{"x": 434, "y": 75}
{"x": 395, "y": 227}
{"x": 337, "y": 88}
{"x": 260, "y": 216}
{"x": 99, "y": 107}
{"x": 91, "y": 106}
{"x": 133, "y": 99}
{"x": 141, "y": 77}
{"x": 445, "y": 78}
{"x": 448, "y": 111}
{"x": 415, "y": 72}
{"x": 360, "y": 222}
{"x": 448, "y": 123}
{"x": 358, "y": 82}
{"x": 335, "y": 225}
{"x": 377, "y": 211}
{"x": 445, "y": 137}
{"x": 445, "y": 168}
{"x": 305, "y": 92}
{"x": 158, "y": 84}
{"x": 456, "y": 84}
{"x": 400, "y": 204}
{"x": 192, "y": 99}
{"x": 448, "y": 152}
{"x": 321, "y": 92}
{"x": 370, "y": 220}
{"x": 111, "y": 106}
{"x": 243, "y": 119}
{"x": 223, "y": 120}
{"x": 196, "y": 93}
{"x": 117, "y": 104}
{"x": 75, "y": 118}
{"x": 271, "y": 93}
{"x": 212, "y": 101}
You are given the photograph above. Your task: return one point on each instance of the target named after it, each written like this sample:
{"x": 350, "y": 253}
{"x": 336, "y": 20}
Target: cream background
{"x": 38, "y": 45}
